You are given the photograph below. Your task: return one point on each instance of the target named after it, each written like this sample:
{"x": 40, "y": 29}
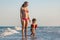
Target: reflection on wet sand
{"x": 24, "y": 37}
{"x": 33, "y": 38}
{"x": 27, "y": 37}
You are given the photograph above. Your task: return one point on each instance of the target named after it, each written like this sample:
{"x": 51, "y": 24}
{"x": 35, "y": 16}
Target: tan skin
{"x": 33, "y": 29}
{"x": 24, "y": 14}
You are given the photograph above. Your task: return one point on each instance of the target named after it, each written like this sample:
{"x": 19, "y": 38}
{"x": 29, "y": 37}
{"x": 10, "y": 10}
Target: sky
{"x": 47, "y": 12}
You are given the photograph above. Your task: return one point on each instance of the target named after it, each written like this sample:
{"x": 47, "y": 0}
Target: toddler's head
{"x": 33, "y": 20}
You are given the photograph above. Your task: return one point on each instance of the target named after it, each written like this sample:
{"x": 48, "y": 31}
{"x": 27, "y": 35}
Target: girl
{"x": 24, "y": 16}
{"x": 33, "y": 26}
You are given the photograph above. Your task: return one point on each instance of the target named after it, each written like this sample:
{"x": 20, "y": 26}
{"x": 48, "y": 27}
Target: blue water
{"x": 42, "y": 33}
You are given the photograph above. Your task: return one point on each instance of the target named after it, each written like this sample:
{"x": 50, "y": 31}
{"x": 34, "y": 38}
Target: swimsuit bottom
{"x": 25, "y": 19}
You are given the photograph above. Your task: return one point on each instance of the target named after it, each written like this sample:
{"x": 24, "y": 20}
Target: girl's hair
{"x": 33, "y": 19}
{"x": 24, "y": 3}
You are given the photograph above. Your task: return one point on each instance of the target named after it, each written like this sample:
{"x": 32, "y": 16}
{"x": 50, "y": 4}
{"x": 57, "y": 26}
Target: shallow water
{"x": 42, "y": 33}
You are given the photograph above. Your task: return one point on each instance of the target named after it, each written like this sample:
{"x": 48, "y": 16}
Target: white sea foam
{"x": 9, "y": 32}
{"x": 18, "y": 28}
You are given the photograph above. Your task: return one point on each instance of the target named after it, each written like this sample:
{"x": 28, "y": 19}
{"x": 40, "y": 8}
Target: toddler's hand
{"x": 29, "y": 20}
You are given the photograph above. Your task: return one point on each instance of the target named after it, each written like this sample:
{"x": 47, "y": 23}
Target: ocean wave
{"x": 18, "y": 28}
{"x": 8, "y": 31}
{"x": 50, "y": 29}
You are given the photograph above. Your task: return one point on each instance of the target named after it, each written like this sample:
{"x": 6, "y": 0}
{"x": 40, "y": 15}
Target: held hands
{"x": 29, "y": 20}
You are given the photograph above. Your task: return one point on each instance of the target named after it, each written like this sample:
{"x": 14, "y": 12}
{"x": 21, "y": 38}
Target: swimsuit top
{"x": 33, "y": 26}
{"x": 26, "y": 11}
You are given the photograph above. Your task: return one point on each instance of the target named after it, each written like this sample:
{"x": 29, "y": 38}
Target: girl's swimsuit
{"x": 25, "y": 18}
{"x": 34, "y": 26}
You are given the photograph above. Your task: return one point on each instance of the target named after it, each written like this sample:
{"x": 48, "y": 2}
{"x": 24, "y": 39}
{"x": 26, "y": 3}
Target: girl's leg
{"x": 23, "y": 27}
{"x": 26, "y": 26}
{"x": 33, "y": 32}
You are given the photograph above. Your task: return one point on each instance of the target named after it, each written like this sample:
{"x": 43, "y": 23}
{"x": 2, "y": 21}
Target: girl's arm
{"x": 21, "y": 13}
{"x": 29, "y": 18}
{"x": 35, "y": 26}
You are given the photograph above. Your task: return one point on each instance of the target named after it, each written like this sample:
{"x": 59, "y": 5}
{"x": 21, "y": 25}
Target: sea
{"x": 42, "y": 33}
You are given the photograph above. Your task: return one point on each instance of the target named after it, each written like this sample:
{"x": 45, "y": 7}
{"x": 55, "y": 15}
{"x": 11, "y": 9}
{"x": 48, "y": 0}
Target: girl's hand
{"x": 29, "y": 20}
